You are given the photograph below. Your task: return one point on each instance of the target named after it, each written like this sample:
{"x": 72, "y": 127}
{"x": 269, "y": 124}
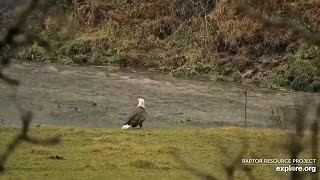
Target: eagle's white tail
{"x": 126, "y": 126}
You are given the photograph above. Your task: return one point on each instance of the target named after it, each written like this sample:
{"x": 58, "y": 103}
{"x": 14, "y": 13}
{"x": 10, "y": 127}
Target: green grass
{"x": 141, "y": 154}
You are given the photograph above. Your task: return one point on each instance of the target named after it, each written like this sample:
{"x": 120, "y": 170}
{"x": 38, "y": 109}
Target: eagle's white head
{"x": 141, "y": 102}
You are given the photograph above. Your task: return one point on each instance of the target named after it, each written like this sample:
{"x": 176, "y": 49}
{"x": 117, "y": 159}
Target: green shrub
{"x": 225, "y": 70}
{"x": 275, "y": 81}
{"x": 315, "y": 85}
{"x": 36, "y": 53}
{"x": 72, "y": 48}
{"x": 100, "y": 58}
{"x": 301, "y": 82}
{"x": 122, "y": 59}
{"x": 202, "y": 68}
{"x": 303, "y": 68}
{"x": 154, "y": 60}
{"x": 306, "y": 51}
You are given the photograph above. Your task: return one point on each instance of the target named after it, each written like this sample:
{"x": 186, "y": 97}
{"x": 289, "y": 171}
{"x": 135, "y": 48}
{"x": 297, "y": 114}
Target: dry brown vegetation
{"x": 187, "y": 38}
{"x": 94, "y": 38}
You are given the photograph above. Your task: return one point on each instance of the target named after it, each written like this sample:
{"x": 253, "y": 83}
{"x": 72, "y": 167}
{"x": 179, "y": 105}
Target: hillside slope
{"x": 186, "y": 38}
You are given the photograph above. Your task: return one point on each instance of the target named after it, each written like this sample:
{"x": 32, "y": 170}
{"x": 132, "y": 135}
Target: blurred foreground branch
{"x": 9, "y": 41}
{"x": 315, "y": 142}
{"x": 9, "y": 38}
{"x": 195, "y": 171}
{"x": 229, "y": 169}
{"x": 311, "y": 37}
{"x": 23, "y": 136}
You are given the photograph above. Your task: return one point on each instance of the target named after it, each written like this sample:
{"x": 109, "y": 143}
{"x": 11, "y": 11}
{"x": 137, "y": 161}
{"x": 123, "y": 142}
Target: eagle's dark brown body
{"x": 137, "y": 117}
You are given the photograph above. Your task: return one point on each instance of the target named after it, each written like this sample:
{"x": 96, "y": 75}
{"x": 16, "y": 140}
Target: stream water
{"x": 63, "y": 96}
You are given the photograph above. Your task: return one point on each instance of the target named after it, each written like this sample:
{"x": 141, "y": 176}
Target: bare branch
{"x": 26, "y": 116}
{"x": 201, "y": 174}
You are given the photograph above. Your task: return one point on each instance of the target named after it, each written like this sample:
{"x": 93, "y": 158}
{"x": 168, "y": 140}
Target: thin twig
{"x": 245, "y": 108}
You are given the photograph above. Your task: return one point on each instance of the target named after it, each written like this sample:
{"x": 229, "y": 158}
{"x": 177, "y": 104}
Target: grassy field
{"x": 142, "y": 154}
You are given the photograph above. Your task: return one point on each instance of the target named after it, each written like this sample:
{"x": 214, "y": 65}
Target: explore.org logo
{"x": 288, "y": 165}
{"x": 279, "y": 161}
{"x": 296, "y": 169}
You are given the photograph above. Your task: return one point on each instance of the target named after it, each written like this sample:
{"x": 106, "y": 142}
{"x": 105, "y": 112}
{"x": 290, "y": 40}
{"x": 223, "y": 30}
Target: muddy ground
{"x": 63, "y": 95}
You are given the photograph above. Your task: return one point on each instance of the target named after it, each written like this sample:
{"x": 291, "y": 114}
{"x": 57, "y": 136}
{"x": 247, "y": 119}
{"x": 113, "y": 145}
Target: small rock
{"x": 58, "y": 106}
{"x": 76, "y": 109}
{"x": 94, "y": 103}
{"x": 38, "y": 125}
{"x": 188, "y": 119}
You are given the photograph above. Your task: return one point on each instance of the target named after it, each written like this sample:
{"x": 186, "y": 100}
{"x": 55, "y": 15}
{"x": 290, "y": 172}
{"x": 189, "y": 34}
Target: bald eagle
{"x": 137, "y": 117}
